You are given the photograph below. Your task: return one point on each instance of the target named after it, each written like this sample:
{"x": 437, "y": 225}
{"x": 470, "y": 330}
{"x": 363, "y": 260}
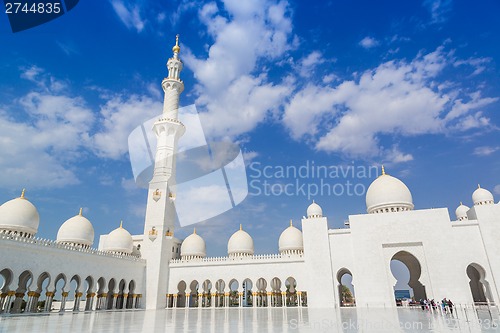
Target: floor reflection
{"x": 256, "y": 320}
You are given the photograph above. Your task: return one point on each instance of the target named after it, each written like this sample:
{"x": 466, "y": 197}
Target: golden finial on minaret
{"x": 461, "y": 203}
{"x": 80, "y": 211}
{"x": 194, "y": 231}
{"x": 121, "y": 224}
{"x": 291, "y": 223}
{"x": 176, "y": 48}
{"x": 241, "y": 226}
{"x": 478, "y": 186}
{"x": 22, "y": 193}
{"x": 383, "y": 170}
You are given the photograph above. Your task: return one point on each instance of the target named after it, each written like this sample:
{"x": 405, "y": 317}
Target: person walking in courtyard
{"x": 443, "y": 305}
{"x": 450, "y": 305}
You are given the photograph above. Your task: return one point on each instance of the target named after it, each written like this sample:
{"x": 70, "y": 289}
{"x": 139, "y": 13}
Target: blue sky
{"x": 412, "y": 85}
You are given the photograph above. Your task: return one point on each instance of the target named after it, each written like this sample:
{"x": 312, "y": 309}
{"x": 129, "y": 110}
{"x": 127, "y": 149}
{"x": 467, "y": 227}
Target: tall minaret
{"x": 160, "y": 210}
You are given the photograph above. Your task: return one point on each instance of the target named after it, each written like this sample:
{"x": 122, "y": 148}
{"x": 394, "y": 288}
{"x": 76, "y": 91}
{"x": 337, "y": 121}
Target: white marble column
{"x": 78, "y": 297}
{"x": 90, "y": 301}
{"x": 48, "y": 300}
{"x": 64, "y": 295}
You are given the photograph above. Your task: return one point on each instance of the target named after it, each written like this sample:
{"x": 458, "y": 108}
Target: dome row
{"x": 20, "y": 217}
{"x": 480, "y": 197}
{"x": 389, "y": 194}
{"x": 240, "y": 244}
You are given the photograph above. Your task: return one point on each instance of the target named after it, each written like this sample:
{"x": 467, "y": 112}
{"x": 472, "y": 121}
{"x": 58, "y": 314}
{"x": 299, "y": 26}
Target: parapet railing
{"x": 258, "y": 257}
{"x": 41, "y": 242}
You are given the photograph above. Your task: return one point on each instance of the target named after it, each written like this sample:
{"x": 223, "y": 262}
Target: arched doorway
{"x": 181, "y": 294}
{"x": 72, "y": 302}
{"x": 193, "y": 294}
{"x": 408, "y": 274}
{"x": 233, "y": 293}
{"x": 345, "y": 288}
{"x": 101, "y": 294}
{"x": 120, "y": 299}
{"x": 219, "y": 290}
{"x": 6, "y": 277}
{"x": 130, "y": 298}
{"x": 480, "y": 288}
{"x": 59, "y": 293}
{"x": 261, "y": 297}
{"x": 291, "y": 292}
{"x": 247, "y": 299}
{"x": 89, "y": 293}
{"x": 206, "y": 298}
{"x": 20, "y": 301}
{"x": 276, "y": 299}
{"x": 110, "y": 294}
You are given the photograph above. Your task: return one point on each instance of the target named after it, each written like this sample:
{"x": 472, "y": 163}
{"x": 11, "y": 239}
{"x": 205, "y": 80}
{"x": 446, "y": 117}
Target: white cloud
{"x": 120, "y": 115}
{"x": 58, "y": 130}
{"x": 485, "y": 150}
{"x": 478, "y": 64}
{"x": 394, "y": 155}
{"x": 396, "y": 98}
{"x": 369, "y": 42}
{"x": 249, "y": 156}
{"x": 40, "y": 151}
{"x": 308, "y": 63}
{"x": 329, "y": 78}
{"x": 31, "y": 73}
{"x": 474, "y": 101}
{"x": 232, "y": 89}
{"x": 305, "y": 110}
{"x": 472, "y": 121}
{"x": 24, "y": 163}
{"x": 129, "y": 15}
{"x": 438, "y": 9}
{"x": 496, "y": 189}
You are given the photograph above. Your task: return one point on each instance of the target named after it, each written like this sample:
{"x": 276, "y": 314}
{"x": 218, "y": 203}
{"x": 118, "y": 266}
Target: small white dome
{"x": 482, "y": 196}
{"x": 240, "y": 243}
{"x": 193, "y": 246}
{"x": 20, "y": 216}
{"x": 461, "y": 212}
{"x": 314, "y": 210}
{"x": 119, "y": 240}
{"x": 388, "y": 194}
{"x": 291, "y": 240}
{"x": 76, "y": 230}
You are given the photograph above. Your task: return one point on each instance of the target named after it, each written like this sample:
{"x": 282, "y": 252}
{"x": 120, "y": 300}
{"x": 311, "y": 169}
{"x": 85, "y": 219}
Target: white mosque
{"x": 457, "y": 259}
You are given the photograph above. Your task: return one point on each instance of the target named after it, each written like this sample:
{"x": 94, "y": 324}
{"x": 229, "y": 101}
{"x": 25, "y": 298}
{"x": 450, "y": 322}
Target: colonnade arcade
{"x": 234, "y": 293}
{"x": 46, "y": 293}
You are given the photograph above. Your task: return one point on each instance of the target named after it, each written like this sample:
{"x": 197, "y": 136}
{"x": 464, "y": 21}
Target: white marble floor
{"x": 254, "y": 320}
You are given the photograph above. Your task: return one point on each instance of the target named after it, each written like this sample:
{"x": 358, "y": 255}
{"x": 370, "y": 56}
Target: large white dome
{"x": 240, "y": 243}
{"x": 193, "y": 246}
{"x": 19, "y": 216}
{"x": 461, "y": 212}
{"x": 76, "y": 230}
{"x": 482, "y": 196}
{"x": 388, "y": 194}
{"x": 119, "y": 240}
{"x": 291, "y": 240}
{"x": 314, "y": 210}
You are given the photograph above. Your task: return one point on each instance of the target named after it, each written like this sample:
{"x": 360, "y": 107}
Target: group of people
{"x": 445, "y": 305}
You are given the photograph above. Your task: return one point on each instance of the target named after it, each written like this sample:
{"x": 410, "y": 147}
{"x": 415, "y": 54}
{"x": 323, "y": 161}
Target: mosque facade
{"x": 458, "y": 259}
